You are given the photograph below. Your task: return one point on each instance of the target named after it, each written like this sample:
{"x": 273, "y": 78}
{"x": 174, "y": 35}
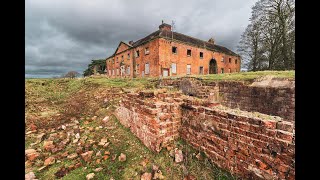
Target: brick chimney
{"x": 165, "y": 27}
{"x": 211, "y": 40}
{"x": 131, "y": 42}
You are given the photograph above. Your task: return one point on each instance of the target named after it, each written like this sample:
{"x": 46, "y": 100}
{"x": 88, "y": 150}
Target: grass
{"x": 242, "y": 76}
{"x": 46, "y": 98}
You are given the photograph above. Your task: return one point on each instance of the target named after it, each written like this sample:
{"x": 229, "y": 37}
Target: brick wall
{"x": 154, "y": 117}
{"x": 251, "y": 147}
{"x": 166, "y": 57}
{"x": 278, "y": 101}
{"x": 267, "y": 100}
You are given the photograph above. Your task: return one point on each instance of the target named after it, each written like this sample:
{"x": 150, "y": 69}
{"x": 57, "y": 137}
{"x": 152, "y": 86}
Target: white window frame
{"x": 188, "y": 67}
{"x": 174, "y": 68}
{"x": 147, "y": 70}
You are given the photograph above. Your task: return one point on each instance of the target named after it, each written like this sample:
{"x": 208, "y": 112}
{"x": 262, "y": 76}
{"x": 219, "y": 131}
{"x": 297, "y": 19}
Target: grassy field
{"x": 51, "y": 103}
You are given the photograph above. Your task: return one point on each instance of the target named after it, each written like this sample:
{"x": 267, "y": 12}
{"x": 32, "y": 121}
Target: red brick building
{"x": 168, "y": 53}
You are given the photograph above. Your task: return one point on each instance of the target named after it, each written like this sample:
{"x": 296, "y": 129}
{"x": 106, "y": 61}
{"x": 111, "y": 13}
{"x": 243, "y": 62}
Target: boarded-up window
{"x": 117, "y": 72}
{"x": 112, "y": 72}
{"x": 222, "y": 59}
{"x": 201, "y": 70}
{"x": 188, "y": 69}
{"x": 137, "y": 69}
{"x": 147, "y": 68}
{"x": 128, "y": 70}
{"x": 173, "y": 68}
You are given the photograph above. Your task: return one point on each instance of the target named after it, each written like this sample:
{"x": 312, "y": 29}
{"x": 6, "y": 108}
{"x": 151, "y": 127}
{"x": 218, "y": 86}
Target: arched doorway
{"x": 213, "y": 66}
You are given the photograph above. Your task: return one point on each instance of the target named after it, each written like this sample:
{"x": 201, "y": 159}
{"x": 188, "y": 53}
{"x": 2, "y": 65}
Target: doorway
{"x": 213, "y": 66}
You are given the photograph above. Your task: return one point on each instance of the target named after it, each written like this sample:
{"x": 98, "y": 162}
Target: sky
{"x": 65, "y": 35}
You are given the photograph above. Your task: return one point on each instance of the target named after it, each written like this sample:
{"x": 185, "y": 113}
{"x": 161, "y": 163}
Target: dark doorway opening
{"x": 213, "y": 66}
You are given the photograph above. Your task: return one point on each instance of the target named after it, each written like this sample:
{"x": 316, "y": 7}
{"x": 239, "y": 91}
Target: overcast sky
{"x": 65, "y": 35}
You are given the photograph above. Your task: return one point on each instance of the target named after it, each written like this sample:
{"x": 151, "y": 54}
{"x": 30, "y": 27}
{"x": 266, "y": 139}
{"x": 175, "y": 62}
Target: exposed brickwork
{"x": 278, "y": 101}
{"x": 154, "y": 117}
{"x": 254, "y": 148}
{"x": 251, "y": 145}
{"x": 160, "y": 56}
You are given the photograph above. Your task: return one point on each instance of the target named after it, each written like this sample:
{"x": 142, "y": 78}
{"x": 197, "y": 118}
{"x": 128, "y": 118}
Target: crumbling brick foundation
{"x": 154, "y": 117}
{"x": 241, "y": 142}
{"x": 250, "y": 144}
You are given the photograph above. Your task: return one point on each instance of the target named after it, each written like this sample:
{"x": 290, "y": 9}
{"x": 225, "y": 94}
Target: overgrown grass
{"x": 242, "y": 76}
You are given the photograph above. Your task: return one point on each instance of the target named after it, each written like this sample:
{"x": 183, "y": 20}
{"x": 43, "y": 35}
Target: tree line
{"x": 268, "y": 42}
{"x": 98, "y": 65}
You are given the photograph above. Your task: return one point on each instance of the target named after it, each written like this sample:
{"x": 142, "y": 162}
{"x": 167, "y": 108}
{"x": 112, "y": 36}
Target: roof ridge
{"x": 191, "y": 37}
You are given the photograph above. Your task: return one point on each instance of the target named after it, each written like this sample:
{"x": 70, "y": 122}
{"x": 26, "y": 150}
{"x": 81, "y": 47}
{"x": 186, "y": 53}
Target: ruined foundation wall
{"x": 153, "y": 117}
{"x": 277, "y": 101}
{"x": 268, "y": 100}
{"x": 251, "y": 147}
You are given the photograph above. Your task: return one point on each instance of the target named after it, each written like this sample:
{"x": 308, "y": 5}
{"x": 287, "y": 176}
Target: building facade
{"x": 167, "y": 53}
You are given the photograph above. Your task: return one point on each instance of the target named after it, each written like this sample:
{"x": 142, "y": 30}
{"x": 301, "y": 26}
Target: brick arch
{"x": 213, "y": 66}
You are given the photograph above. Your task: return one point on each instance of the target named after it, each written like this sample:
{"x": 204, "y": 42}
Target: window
{"x": 117, "y": 59}
{"x": 229, "y": 70}
{"x": 174, "y": 50}
{"x": 109, "y": 72}
{"x": 146, "y": 51}
{"x": 121, "y": 70}
{"x": 222, "y": 70}
{"x": 137, "y": 69}
{"x": 173, "y": 68}
{"x": 222, "y": 59}
{"x": 189, "y": 52}
{"x": 118, "y": 72}
{"x": 122, "y": 57}
{"x": 128, "y": 70}
{"x": 128, "y": 56}
{"x": 112, "y": 72}
{"x": 236, "y": 61}
{"x": 201, "y": 55}
{"x": 146, "y": 68}
{"x": 229, "y": 60}
{"x": 201, "y": 70}
{"x": 188, "y": 69}
{"x": 137, "y": 53}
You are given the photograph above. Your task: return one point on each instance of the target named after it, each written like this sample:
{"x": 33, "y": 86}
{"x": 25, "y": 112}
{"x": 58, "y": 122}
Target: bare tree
{"x": 270, "y": 37}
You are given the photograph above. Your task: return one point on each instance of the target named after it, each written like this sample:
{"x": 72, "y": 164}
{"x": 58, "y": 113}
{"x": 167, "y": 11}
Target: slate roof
{"x": 183, "y": 38}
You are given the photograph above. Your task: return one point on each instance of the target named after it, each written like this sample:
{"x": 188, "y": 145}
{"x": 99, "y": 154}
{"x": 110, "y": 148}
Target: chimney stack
{"x": 131, "y": 42}
{"x": 165, "y": 27}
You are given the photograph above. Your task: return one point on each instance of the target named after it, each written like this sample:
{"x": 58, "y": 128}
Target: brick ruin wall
{"x": 153, "y": 117}
{"x": 251, "y": 145}
{"x": 277, "y": 101}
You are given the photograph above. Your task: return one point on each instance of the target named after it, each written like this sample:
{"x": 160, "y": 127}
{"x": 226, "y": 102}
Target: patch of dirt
{"x": 272, "y": 81}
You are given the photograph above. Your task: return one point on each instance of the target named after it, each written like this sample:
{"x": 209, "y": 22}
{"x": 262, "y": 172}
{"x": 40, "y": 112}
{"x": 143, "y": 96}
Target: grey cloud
{"x": 65, "y": 35}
